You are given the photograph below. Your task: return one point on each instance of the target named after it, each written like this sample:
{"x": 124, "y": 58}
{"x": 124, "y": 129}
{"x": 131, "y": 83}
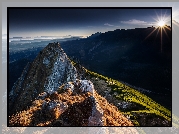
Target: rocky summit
{"x": 50, "y": 69}
{"x": 50, "y": 93}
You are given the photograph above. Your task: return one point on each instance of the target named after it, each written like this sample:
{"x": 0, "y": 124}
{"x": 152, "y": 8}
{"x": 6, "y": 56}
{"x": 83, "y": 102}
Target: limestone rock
{"x": 50, "y": 69}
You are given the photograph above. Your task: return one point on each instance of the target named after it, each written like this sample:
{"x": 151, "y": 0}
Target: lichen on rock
{"x": 62, "y": 71}
{"x": 87, "y": 86}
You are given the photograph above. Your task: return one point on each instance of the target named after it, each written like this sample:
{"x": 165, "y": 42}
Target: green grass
{"x": 129, "y": 94}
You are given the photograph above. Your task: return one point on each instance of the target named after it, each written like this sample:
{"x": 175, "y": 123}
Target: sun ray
{"x": 165, "y": 14}
{"x": 167, "y": 28}
{"x": 157, "y": 16}
{"x": 158, "y": 31}
{"x": 150, "y": 33}
{"x": 164, "y": 29}
{"x": 161, "y": 38}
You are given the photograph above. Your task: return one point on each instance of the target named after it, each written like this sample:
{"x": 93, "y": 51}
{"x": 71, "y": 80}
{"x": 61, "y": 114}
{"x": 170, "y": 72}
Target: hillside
{"x": 55, "y": 91}
{"x": 133, "y": 56}
{"x": 139, "y": 108}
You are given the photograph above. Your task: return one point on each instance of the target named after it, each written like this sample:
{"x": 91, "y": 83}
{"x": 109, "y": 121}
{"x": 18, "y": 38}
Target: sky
{"x": 81, "y": 22}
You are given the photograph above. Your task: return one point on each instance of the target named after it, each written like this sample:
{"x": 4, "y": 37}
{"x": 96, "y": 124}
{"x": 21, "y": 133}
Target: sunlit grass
{"x": 129, "y": 94}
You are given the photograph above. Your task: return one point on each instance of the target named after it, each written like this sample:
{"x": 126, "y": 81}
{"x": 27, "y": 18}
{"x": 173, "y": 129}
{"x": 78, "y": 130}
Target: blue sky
{"x": 81, "y": 22}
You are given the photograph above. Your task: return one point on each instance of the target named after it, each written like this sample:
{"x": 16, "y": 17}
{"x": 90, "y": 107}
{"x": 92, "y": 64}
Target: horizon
{"x": 71, "y": 36}
{"x": 82, "y": 22}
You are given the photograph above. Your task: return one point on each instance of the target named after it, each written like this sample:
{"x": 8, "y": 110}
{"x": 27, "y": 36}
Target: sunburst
{"x": 161, "y": 24}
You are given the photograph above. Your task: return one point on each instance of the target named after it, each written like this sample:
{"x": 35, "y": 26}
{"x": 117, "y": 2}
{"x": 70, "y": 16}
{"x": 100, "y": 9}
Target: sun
{"x": 161, "y": 23}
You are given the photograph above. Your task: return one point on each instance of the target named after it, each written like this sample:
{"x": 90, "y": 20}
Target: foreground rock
{"x": 73, "y": 104}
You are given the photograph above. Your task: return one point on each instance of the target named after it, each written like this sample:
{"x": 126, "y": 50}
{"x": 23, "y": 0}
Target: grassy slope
{"x": 129, "y": 94}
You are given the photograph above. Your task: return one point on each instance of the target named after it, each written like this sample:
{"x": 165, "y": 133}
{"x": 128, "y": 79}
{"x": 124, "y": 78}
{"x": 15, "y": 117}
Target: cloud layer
{"x": 134, "y": 22}
{"x": 107, "y": 24}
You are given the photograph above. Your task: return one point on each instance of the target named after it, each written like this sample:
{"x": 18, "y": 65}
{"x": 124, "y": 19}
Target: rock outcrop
{"x": 50, "y": 69}
{"x": 50, "y": 93}
{"x": 71, "y": 105}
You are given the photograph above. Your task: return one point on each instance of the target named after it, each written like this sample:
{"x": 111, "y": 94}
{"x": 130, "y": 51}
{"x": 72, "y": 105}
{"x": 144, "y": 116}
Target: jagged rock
{"x": 87, "y": 86}
{"x": 84, "y": 108}
{"x": 96, "y": 118}
{"x": 50, "y": 69}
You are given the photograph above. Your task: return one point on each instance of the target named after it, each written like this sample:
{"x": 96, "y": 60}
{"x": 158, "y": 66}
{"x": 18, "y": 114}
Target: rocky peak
{"x": 50, "y": 69}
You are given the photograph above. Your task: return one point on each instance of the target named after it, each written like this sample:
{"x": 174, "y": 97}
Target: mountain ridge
{"x": 38, "y": 86}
